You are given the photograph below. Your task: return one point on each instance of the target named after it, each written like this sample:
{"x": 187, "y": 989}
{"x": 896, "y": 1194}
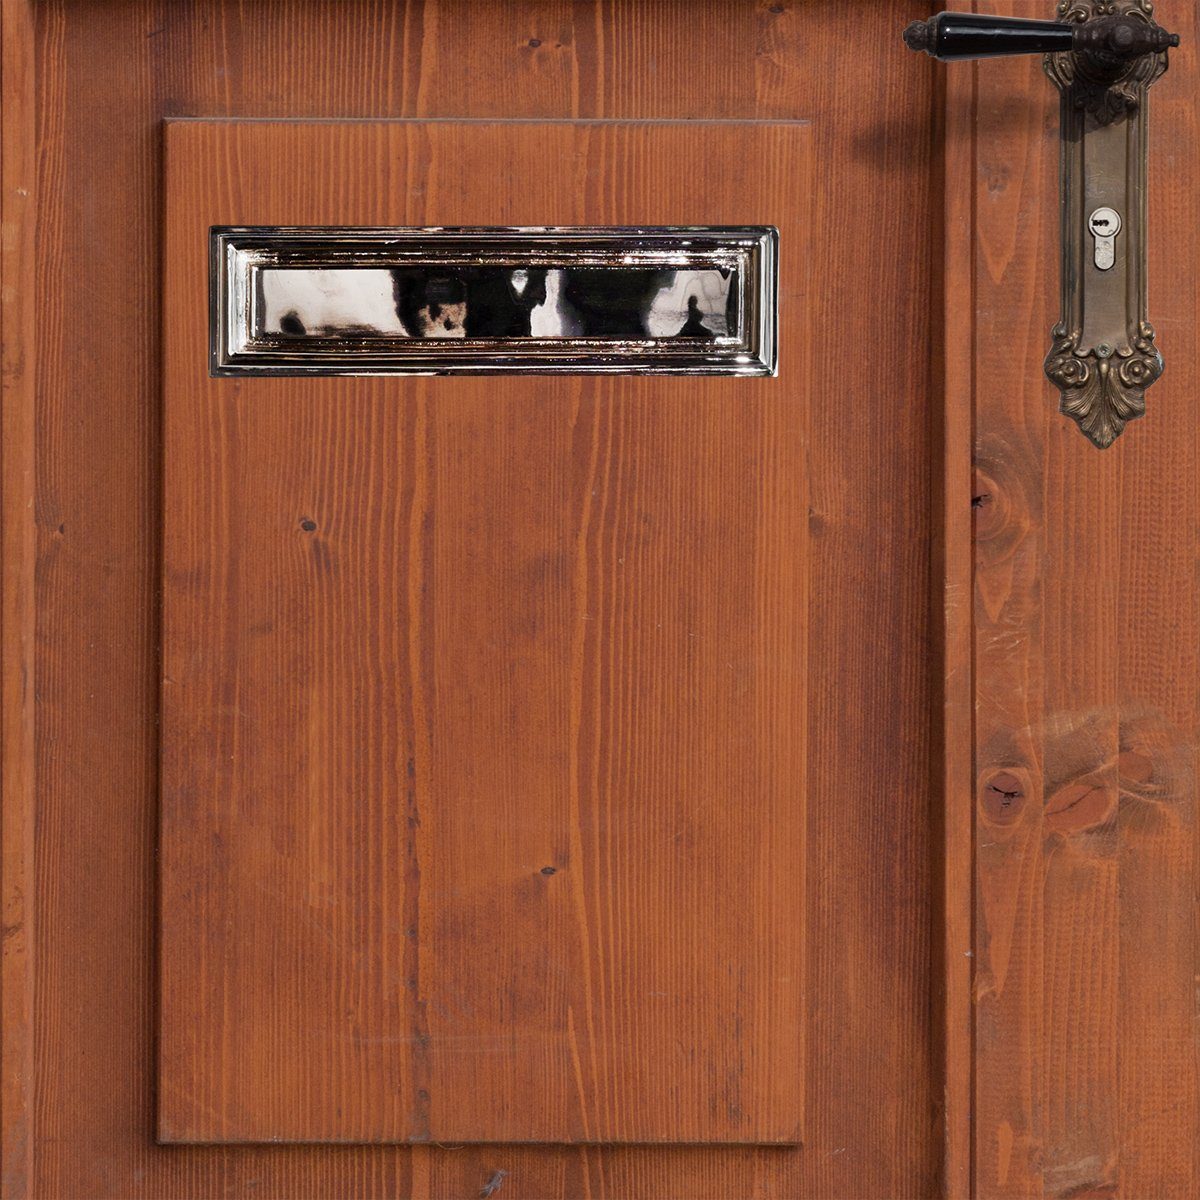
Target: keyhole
{"x": 1105, "y": 224}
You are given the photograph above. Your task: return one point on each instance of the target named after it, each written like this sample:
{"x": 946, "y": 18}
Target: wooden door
{"x": 584, "y": 786}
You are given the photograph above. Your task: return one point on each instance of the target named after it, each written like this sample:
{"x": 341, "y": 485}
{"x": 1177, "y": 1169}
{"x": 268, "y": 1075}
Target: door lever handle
{"x": 1108, "y": 42}
{"x": 1103, "y": 56}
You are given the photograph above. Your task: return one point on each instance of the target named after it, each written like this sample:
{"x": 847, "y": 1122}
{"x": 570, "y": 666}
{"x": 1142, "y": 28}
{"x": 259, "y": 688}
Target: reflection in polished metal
{"x": 300, "y": 300}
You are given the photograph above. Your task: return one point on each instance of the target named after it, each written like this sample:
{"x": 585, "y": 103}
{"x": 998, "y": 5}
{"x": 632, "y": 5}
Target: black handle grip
{"x": 954, "y": 36}
{"x": 1107, "y": 42}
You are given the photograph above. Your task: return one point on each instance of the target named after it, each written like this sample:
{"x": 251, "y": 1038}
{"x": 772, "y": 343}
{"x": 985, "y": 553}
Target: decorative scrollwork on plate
{"x": 1103, "y": 96}
{"x": 1101, "y": 393}
{"x": 1085, "y": 10}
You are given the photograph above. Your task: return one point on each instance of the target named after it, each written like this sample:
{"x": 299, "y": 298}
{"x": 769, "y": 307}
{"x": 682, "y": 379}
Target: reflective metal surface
{"x": 954, "y": 36}
{"x": 436, "y": 301}
{"x": 1105, "y": 40}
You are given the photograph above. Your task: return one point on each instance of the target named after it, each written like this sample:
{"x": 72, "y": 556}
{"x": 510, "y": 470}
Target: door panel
{"x": 483, "y": 698}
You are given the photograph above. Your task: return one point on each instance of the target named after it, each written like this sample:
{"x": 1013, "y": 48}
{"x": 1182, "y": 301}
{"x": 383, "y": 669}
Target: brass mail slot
{"x": 340, "y": 301}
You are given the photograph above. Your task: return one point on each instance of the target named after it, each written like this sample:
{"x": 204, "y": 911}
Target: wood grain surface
{"x": 483, "y": 702}
{"x": 107, "y": 74}
{"x": 18, "y": 545}
{"x": 953, "y": 588}
{"x": 1087, "y": 629}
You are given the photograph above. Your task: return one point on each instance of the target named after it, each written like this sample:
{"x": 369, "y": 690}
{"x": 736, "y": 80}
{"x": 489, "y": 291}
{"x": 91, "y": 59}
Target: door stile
{"x": 953, "y": 583}
{"x": 18, "y": 171}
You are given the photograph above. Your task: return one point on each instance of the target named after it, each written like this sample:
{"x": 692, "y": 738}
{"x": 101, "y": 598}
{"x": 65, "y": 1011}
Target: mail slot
{"x": 437, "y": 301}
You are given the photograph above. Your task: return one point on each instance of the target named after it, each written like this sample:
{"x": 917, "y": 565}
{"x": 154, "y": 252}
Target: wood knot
{"x": 1002, "y": 797}
{"x": 1079, "y": 805}
{"x": 989, "y": 506}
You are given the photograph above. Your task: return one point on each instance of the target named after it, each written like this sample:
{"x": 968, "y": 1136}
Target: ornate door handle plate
{"x": 1103, "y": 56}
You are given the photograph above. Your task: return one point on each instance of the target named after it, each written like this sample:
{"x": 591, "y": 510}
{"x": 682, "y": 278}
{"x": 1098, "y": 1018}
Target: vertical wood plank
{"x": 18, "y": 548}
{"x": 1014, "y": 167}
{"x": 953, "y": 578}
{"x": 1157, "y": 620}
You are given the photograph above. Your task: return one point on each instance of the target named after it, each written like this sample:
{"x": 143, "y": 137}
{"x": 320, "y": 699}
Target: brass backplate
{"x": 1104, "y": 356}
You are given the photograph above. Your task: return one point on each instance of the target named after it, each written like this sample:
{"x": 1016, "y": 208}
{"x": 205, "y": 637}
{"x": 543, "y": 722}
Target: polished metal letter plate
{"x": 340, "y": 301}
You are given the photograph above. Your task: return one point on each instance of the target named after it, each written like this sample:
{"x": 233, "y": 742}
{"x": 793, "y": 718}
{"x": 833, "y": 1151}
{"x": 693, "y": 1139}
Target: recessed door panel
{"x": 483, "y": 721}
